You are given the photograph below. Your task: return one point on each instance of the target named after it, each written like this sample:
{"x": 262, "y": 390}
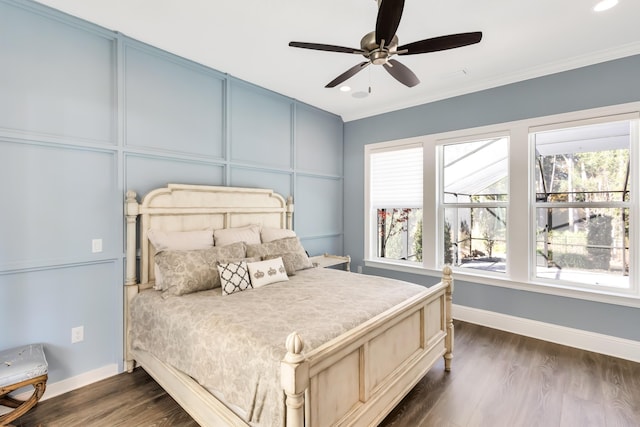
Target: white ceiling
{"x": 249, "y": 40}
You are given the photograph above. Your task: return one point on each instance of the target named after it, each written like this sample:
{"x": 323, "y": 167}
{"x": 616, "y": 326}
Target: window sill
{"x": 505, "y": 282}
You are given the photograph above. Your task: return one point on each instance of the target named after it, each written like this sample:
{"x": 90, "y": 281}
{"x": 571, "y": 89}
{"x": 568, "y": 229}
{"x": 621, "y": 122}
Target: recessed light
{"x": 345, "y": 88}
{"x": 604, "y": 5}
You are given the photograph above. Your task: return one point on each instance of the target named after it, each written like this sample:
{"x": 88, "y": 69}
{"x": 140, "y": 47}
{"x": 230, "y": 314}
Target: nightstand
{"x": 328, "y": 260}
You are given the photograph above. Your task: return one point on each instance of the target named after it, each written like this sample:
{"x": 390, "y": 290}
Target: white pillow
{"x": 178, "y": 241}
{"x": 269, "y": 234}
{"x": 249, "y": 234}
{"x": 266, "y": 272}
{"x": 234, "y": 277}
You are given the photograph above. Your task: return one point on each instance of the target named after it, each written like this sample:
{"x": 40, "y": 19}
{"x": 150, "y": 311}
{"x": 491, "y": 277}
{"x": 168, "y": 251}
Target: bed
{"x": 355, "y": 375}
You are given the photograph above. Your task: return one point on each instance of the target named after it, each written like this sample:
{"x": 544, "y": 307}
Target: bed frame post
{"x": 447, "y": 279}
{"x": 289, "y": 224}
{"x": 131, "y": 211}
{"x": 294, "y": 375}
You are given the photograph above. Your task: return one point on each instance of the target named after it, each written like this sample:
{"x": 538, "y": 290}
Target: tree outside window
{"x": 400, "y": 233}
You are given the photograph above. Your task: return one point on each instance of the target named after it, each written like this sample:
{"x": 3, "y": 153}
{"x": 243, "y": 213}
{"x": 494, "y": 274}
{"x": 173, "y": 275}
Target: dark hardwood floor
{"x": 498, "y": 379}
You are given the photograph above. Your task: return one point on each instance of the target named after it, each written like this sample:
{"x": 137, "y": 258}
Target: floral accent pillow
{"x": 264, "y": 273}
{"x": 234, "y": 277}
{"x": 177, "y": 241}
{"x": 185, "y": 272}
{"x": 282, "y": 246}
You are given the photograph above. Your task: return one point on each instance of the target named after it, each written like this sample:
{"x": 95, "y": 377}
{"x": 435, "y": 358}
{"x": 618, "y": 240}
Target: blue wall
{"x": 609, "y": 83}
{"x": 86, "y": 114}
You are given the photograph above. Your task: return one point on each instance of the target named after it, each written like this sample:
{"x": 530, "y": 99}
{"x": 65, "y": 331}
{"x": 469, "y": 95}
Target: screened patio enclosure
{"x": 475, "y": 196}
{"x": 582, "y": 203}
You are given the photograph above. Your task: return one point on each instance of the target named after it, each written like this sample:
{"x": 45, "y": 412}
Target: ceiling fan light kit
{"x": 379, "y": 46}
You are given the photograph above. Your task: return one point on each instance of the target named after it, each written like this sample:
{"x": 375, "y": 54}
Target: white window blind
{"x": 396, "y": 178}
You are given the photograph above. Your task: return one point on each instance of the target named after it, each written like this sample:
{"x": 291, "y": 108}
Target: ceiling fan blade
{"x": 440, "y": 43}
{"x": 348, "y": 74}
{"x": 326, "y": 47}
{"x": 388, "y": 20}
{"x": 401, "y": 73}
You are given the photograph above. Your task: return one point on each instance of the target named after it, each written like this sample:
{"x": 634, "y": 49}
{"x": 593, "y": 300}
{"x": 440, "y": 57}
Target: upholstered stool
{"x": 21, "y": 367}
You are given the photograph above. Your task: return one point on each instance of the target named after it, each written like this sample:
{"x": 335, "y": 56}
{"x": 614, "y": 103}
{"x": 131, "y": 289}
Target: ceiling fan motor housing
{"x": 373, "y": 52}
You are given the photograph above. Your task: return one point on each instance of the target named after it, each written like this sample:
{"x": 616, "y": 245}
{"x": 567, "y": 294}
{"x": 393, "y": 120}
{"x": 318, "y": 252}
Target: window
{"x": 396, "y": 203}
{"x": 474, "y": 197}
{"x": 582, "y": 205}
{"x": 547, "y": 204}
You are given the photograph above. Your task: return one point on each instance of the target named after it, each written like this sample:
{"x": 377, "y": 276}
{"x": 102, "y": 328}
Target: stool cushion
{"x": 21, "y": 364}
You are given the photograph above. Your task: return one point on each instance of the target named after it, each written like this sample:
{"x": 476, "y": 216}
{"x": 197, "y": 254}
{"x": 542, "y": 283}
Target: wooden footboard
{"x": 359, "y": 377}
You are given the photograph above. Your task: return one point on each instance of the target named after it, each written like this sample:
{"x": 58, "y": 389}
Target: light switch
{"x": 96, "y": 245}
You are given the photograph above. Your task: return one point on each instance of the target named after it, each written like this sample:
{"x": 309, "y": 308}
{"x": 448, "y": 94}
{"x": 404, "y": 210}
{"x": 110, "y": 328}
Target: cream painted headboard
{"x": 180, "y": 207}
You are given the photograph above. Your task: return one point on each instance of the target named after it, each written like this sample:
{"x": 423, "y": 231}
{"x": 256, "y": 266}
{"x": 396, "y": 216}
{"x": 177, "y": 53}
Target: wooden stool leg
{"x": 22, "y": 407}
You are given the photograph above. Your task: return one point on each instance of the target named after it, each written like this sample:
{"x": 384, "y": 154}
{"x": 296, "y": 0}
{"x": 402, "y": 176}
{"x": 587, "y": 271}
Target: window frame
{"x": 633, "y": 289}
{"x": 521, "y": 226}
{"x": 442, "y": 205}
{"x": 371, "y": 223}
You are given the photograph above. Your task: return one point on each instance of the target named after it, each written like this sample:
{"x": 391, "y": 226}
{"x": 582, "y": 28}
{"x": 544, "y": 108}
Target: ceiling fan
{"x": 380, "y": 45}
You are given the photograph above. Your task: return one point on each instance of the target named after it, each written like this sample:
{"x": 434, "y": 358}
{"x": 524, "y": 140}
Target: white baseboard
{"x": 585, "y": 340}
{"x": 86, "y": 378}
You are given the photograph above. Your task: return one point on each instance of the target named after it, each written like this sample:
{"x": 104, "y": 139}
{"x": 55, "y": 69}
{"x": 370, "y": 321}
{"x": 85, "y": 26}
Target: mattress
{"x": 232, "y": 345}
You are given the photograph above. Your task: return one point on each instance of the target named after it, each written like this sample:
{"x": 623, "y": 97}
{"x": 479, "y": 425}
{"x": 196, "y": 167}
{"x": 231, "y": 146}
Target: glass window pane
{"x": 476, "y": 238}
{"x": 583, "y": 164}
{"x": 476, "y": 171}
{"x": 583, "y": 245}
{"x": 400, "y": 234}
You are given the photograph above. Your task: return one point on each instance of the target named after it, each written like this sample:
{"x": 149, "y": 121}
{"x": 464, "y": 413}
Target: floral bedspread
{"x": 232, "y": 345}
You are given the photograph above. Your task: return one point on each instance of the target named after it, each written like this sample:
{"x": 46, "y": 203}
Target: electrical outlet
{"x": 359, "y": 269}
{"x": 77, "y": 334}
{"x": 96, "y": 245}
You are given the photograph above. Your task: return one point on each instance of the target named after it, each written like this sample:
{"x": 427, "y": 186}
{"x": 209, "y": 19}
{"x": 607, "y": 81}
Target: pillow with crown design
{"x": 264, "y": 273}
